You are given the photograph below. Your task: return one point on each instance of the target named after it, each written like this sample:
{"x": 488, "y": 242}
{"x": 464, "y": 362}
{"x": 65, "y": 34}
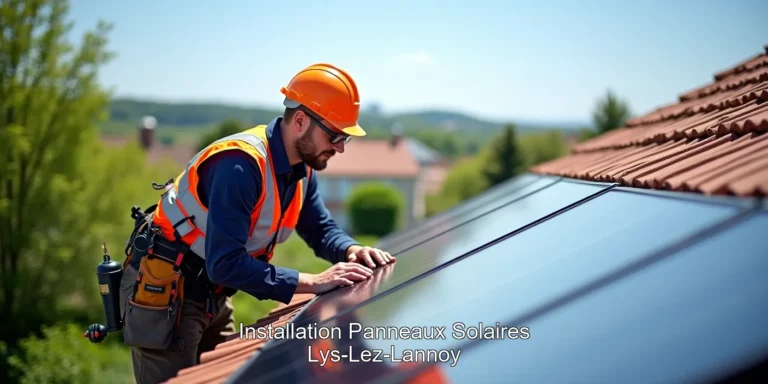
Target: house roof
{"x": 377, "y": 158}
{"x": 712, "y": 141}
{"x": 422, "y": 152}
{"x": 218, "y": 365}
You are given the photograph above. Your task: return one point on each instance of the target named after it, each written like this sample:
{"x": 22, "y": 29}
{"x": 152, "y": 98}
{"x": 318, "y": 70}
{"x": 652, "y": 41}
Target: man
{"x": 221, "y": 218}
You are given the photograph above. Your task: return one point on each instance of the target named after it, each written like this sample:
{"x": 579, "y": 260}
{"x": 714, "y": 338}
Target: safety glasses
{"x": 334, "y": 137}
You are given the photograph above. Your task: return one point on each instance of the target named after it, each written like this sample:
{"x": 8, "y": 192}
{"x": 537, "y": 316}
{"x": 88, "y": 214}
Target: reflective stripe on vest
{"x": 182, "y": 201}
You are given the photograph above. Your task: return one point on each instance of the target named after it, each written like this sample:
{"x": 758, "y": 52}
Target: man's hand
{"x": 368, "y": 256}
{"x": 340, "y": 274}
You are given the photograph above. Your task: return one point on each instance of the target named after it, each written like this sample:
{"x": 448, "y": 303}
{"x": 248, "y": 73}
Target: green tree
{"x": 586, "y": 134}
{"x": 375, "y": 209}
{"x": 50, "y": 100}
{"x": 225, "y": 128}
{"x": 610, "y": 113}
{"x": 541, "y": 147}
{"x": 61, "y": 192}
{"x": 463, "y": 181}
{"x": 504, "y": 159}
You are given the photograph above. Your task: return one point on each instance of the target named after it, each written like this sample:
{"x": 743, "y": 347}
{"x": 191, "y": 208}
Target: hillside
{"x": 125, "y": 114}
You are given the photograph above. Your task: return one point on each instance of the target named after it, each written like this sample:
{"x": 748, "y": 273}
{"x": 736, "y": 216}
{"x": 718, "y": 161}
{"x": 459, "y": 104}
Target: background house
{"x": 363, "y": 161}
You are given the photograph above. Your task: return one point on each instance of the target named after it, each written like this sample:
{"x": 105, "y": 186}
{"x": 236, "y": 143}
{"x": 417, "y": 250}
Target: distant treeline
{"x": 451, "y": 134}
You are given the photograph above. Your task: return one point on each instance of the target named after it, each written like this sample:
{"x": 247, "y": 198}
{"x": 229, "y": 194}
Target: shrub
{"x": 64, "y": 356}
{"x": 375, "y": 209}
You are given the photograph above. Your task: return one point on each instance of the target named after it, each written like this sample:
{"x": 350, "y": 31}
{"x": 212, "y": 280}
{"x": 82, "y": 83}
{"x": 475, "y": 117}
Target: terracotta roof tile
{"x": 713, "y": 141}
{"x": 375, "y": 158}
{"x": 218, "y": 365}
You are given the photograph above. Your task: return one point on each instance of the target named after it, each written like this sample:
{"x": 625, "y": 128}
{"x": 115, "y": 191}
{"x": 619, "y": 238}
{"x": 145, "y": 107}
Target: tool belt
{"x": 147, "y": 247}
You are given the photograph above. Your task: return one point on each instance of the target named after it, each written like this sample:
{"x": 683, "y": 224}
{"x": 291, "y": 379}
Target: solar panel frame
{"x": 753, "y": 210}
{"x": 739, "y": 207}
{"x": 470, "y": 204}
{"x": 425, "y": 235}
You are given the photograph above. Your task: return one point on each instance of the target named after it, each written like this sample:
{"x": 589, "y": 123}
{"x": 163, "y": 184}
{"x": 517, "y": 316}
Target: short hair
{"x": 288, "y": 114}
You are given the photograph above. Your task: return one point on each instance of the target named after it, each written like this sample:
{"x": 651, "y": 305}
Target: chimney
{"x": 147, "y": 132}
{"x": 397, "y": 135}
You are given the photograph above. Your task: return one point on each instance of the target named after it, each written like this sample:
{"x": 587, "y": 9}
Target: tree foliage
{"x": 463, "y": 181}
{"x": 541, "y": 147}
{"x": 225, "y": 128}
{"x": 610, "y": 113}
{"x": 61, "y": 192}
{"x": 504, "y": 159}
{"x": 375, "y": 209}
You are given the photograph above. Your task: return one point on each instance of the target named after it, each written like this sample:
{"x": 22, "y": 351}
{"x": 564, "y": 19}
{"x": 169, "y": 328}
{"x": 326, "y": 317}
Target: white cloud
{"x": 416, "y": 58}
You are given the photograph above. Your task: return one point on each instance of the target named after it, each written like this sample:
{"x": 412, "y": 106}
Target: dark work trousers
{"x": 196, "y": 334}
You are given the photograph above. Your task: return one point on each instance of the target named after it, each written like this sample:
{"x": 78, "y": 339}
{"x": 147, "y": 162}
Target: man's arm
{"x": 318, "y": 229}
{"x": 232, "y": 182}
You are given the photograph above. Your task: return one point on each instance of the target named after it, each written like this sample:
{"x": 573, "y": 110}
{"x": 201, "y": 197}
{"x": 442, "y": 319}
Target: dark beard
{"x": 306, "y": 150}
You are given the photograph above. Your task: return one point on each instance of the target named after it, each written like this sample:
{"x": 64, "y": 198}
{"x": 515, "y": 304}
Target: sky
{"x": 533, "y": 60}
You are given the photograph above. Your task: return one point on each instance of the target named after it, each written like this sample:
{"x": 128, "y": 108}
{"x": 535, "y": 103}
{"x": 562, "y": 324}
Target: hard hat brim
{"x": 355, "y": 130}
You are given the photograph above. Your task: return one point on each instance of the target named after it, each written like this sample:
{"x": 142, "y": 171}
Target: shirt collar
{"x": 279, "y": 156}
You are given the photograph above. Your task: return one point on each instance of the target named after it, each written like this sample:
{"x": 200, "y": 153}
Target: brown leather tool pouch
{"x": 153, "y": 311}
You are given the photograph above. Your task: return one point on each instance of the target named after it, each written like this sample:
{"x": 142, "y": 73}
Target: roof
{"x": 374, "y": 158}
{"x": 422, "y": 152}
{"x": 712, "y": 141}
{"x": 610, "y": 265}
{"x": 217, "y": 365}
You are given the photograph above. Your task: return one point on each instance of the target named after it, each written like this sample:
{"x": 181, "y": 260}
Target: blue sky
{"x": 541, "y": 60}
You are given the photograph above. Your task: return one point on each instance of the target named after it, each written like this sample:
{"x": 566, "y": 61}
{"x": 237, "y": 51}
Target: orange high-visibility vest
{"x": 181, "y": 214}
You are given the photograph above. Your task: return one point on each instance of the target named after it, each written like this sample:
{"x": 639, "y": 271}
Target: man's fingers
{"x": 358, "y": 268}
{"x": 344, "y": 281}
{"x": 353, "y": 276}
{"x": 373, "y": 254}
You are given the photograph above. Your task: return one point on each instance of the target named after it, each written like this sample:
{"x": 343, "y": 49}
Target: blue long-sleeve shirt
{"x": 229, "y": 185}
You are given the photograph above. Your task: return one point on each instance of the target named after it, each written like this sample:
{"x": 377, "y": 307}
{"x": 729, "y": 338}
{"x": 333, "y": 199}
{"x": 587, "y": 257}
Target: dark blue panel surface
{"x": 693, "y": 317}
{"x": 454, "y": 243}
{"x": 467, "y": 210}
{"x": 507, "y": 279}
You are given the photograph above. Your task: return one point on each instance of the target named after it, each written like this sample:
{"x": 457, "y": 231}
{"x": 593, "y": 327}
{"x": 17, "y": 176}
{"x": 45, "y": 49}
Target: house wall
{"x": 335, "y": 191}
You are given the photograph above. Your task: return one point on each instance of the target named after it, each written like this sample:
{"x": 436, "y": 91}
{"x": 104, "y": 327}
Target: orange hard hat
{"x": 328, "y": 91}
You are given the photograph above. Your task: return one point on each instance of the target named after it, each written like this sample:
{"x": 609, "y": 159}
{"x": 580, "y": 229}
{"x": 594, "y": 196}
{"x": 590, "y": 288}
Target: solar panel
{"x": 507, "y": 279}
{"x": 697, "y": 315}
{"x": 462, "y": 216}
{"x": 471, "y": 208}
{"x": 462, "y": 239}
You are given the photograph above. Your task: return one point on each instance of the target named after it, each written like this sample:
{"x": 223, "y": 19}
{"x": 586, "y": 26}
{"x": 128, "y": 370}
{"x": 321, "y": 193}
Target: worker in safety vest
{"x": 214, "y": 229}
